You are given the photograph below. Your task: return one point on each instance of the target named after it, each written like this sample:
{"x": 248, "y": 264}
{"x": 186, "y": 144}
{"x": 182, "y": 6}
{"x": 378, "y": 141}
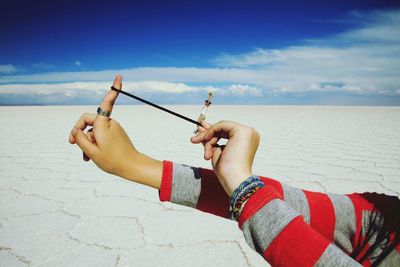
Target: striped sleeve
{"x": 280, "y": 234}
{"x": 194, "y": 187}
{"x": 268, "y": 223}
{"x": 348, "y": 224}
{"x": 332, "y": 215}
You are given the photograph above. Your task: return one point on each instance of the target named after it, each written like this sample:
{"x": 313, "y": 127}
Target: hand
{"x": 232, "y": 163}
{"x": 110, "y": 148}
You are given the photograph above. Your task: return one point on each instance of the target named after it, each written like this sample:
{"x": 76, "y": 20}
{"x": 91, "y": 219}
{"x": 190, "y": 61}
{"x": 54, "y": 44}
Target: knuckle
{"x": 248, "y": 130}
{"x": 256, "y": 134}
{"x": 255, "y": 137}
{"x": 84, "y": 115}
{"x": 81, "y": 118}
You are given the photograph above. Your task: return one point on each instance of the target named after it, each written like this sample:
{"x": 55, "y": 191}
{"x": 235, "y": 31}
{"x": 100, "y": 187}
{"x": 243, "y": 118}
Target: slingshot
{"x": 157, "y": 106}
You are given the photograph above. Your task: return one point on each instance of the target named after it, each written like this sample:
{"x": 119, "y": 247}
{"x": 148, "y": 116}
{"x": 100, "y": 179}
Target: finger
{"x": 201, "y": 130}
{"x": 85, "y": 157}
{"x": 90, "y": 137}
{"x": 110, "y": 97}
{"x": 81, "y": 140}
{"x": 222, "y": 129}
{"x": 198, "y": 138}
{"x": 216, "y": 154}
{"x": 209, "y": 148}
{"x": 204, "y": 126}
{"x": 85, "y": 120}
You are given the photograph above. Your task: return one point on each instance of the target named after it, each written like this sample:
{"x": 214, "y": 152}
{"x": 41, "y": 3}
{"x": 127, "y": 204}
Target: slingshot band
{"x": 156, "y": 106}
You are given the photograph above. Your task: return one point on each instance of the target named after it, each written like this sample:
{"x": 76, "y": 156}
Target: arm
{"x": 111, "y": 149}
{"x": 282, "y": 237}
{"x": 270, "y": 226}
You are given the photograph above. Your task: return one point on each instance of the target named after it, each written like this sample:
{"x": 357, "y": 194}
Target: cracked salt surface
{"x": 56, "y": 210}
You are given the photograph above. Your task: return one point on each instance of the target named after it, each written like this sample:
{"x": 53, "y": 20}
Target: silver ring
{"x": 104, "y": 113}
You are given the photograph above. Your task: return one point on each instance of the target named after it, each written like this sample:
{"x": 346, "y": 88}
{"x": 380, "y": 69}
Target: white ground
{"x": 56, "y": 210}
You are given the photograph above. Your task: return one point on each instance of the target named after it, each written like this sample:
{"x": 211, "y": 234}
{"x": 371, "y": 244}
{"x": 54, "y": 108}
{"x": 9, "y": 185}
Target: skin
{"x": 231, "y": 163}
{"x": 106, "y": 143}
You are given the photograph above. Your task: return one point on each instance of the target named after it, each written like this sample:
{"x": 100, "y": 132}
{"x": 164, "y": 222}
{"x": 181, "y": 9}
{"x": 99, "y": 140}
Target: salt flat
{"x": 57, "y": 210}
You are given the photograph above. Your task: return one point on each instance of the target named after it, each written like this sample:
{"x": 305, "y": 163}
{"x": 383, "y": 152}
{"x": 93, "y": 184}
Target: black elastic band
{"x": 157, "y": 106}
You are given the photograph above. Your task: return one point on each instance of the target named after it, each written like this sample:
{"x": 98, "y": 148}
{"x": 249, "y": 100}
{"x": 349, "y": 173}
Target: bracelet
{"x": 242, "y": 194}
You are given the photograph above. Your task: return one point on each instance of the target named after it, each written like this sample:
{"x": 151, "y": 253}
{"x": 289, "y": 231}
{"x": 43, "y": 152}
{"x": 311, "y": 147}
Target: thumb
{"x": 205, "y": 124}
{"x": 83, "y": 142}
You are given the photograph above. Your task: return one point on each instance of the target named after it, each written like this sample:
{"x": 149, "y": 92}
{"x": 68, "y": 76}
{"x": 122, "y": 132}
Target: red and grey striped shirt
{"x": 293, "y": 227}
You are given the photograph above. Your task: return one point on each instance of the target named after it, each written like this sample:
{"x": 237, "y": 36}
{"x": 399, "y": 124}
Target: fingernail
{"x": 73, "y": 131}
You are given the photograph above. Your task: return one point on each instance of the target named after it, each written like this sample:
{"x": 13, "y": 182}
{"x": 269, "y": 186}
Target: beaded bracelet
{"x": 242, "y": 194}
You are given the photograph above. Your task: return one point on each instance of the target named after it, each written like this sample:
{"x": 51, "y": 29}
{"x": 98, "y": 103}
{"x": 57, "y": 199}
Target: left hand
{"x": 106, "y": 143}
{"x": 233, "y": 162}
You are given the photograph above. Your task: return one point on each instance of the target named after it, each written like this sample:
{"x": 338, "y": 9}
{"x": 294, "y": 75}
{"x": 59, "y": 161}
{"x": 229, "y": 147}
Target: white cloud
{"x": 376, "y": 26}
{"x": 48, "y": 89}
{"x": 98, "y": 88}
{"x": 258, "y": 57}
{"x": 179, "y": 88}
{"x": 169, "y": 74}
{"x": 8, "y": 68}
{"x": 362, "y": 61}
{"x": 240, "y": 90}
{"x": 162, "y": 87}
{"x": 78, "y": 63}
{"x": 367, "y": 58}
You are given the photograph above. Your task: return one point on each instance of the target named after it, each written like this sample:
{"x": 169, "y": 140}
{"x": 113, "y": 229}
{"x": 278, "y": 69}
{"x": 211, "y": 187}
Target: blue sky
{"x": 247, "y": 52}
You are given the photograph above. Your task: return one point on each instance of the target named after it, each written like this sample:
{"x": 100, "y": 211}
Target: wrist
{"x": 242, "y": 194}
{"x": 143, "y": 169}
{"x": 234, "y": 181}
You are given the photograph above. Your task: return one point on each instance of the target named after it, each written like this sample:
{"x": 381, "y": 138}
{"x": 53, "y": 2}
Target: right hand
{"x": 233, "y": 162}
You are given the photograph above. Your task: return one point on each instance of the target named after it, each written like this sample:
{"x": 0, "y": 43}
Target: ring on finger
{"x": 103, "y": 112}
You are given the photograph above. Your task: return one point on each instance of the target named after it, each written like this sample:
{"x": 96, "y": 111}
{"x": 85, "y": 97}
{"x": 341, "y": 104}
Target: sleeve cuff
{"x": 165, "y": 190}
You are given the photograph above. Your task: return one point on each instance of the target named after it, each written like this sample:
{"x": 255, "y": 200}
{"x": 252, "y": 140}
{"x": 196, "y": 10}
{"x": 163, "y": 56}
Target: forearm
{"x": 280, "y": 235}
{"x": 199, "y": 188}
{"x": 143, "y": 169}
{"x": 339, "y": 219}
{"x": 193, "y": 187}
